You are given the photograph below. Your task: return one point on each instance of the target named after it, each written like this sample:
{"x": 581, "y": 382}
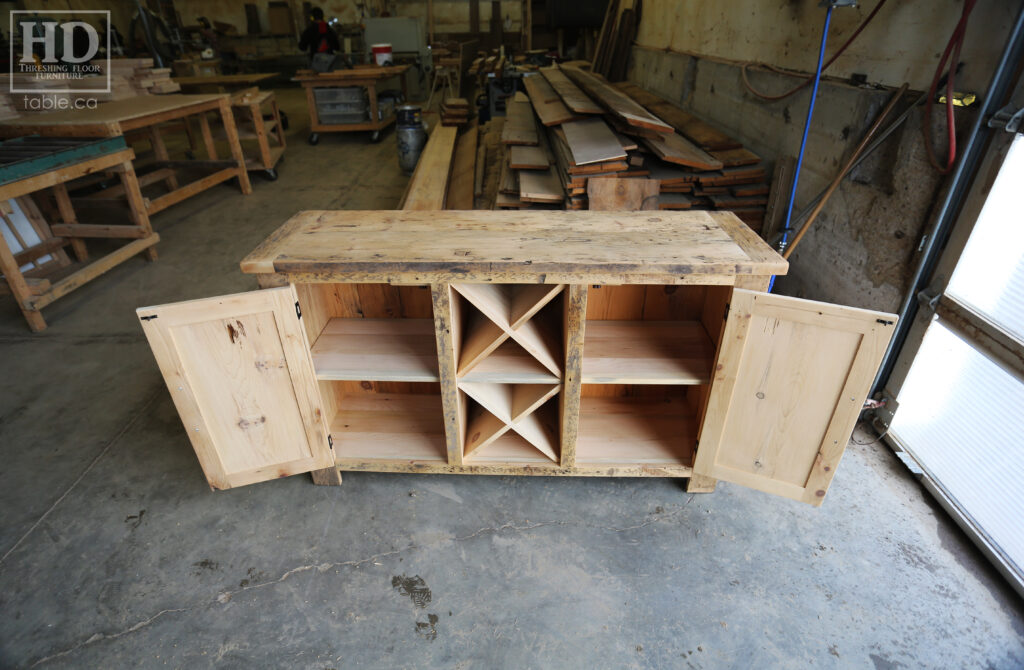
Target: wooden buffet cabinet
{"x": 529, "y": 343}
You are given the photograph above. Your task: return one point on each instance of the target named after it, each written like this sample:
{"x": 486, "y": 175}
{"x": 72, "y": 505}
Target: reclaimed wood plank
{"x": 546, "y": 102}
{"x": 617, "y": 102}
{"x": 564, "y": 247}
{"x": 592, "y": 141}
{"x": 575, "y": 99}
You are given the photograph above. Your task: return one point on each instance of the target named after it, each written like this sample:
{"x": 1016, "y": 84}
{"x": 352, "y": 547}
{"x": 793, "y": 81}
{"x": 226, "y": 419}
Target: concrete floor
{"x": 114, "y": 553}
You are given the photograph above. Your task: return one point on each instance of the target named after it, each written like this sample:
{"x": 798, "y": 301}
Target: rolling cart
{"x": 346, "y": 101}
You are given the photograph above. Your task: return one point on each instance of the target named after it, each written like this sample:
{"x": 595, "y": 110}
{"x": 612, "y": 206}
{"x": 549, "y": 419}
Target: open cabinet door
{"x": 791, "y": 379}
{"x": 239, "y": 370}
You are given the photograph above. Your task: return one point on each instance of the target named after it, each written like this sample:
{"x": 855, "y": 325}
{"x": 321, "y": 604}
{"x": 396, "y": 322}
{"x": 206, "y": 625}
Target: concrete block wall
{"x": 861, "y": 250}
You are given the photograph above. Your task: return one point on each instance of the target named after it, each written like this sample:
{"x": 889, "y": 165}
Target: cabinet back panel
{"x": 645, "y": 302}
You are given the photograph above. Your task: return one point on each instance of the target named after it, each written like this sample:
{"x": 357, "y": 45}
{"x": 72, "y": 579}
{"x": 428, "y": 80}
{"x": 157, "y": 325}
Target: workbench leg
{"x": 262, "y": 141}
{"x": 189, "y": 134}
{"x": 314, "y": 118}
{"x": 278, "y": 128}
{"x": 160, "y": 151}
{"x": 132, "y": 192}
{"x": 67, "y": 215}
{"x": 228, "y": 118}
{"x": 701, "y": 484}
{"x": 372, "y": 91}
{"x": 19, "y": 287}
{"x": 327, "y": 477}
{"x": 204, "y": 128}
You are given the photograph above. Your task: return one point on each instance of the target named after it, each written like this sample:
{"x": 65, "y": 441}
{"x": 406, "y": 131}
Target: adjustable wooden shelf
{"x": 532, "y": 343}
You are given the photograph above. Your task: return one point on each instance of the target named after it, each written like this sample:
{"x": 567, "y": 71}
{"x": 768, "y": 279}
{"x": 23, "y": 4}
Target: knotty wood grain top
{"x": 515, "y": 246}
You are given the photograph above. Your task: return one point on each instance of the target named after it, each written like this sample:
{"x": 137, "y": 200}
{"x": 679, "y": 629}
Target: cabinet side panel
{"x": 573, "y": 329}
{"x": 447, "y": 324}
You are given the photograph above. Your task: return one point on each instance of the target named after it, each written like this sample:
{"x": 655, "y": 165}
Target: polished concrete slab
{"x": 115, "y": 553}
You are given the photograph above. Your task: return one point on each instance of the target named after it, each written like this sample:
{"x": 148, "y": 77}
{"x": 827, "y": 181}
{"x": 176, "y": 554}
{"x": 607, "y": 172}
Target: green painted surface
{"x": 24, "y": 157}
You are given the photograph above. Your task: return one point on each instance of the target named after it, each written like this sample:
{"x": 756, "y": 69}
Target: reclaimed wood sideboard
{"x": 519, "y": 343}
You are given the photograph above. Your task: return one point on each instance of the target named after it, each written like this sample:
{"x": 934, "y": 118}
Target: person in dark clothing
{"x": 318, "y": 37}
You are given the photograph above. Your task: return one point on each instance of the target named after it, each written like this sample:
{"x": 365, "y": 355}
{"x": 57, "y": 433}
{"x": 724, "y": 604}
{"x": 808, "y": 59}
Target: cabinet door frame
{"x": 724, "y": 404}
{"x": 159, "y": 323}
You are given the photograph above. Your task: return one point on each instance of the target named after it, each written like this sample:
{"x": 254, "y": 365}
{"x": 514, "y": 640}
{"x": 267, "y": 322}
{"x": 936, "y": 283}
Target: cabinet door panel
{"x": 791, "y": 379}
{"x": 238, "y": 368}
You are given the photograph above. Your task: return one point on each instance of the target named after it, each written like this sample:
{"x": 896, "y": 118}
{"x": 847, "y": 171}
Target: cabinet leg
{"x": 701, "y": 484}
{"x": 327, "y": 477}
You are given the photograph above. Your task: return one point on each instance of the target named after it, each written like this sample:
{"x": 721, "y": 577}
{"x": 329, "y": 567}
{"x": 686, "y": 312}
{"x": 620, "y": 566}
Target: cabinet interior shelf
{"x": 389, "y": 427}
{"x": 648, "y": 431}
{"x": 509, "y": 447}
{"x": 388, "y": 350}
{"x": 646, "y": 352}
{"x": 509, "y": 364}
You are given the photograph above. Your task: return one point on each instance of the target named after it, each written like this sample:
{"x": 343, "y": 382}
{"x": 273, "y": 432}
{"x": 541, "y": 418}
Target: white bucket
{"x": 381, "y": 53}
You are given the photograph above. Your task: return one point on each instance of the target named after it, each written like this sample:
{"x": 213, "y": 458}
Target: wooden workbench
{"x": 522, "y": 343}
{"x": 366, "y": 76}
{"x": 35, "y": 165}
{"x": 144, "y": 115}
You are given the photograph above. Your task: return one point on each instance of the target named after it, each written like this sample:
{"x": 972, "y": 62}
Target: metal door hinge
{"x": 1008, "y": 118}
{"x": 330, "y": 442}
{"x": 148, "y": 318}
{"x": 884, "y": 322}
{"x": 298, "y": 310}
{"x": 725, "y": 317}
{"x": 930, "y": 300}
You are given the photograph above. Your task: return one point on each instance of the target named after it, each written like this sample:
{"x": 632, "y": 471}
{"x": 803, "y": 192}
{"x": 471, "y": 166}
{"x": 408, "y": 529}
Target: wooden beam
{"x": 460, "y": 186}
{"x": 429, "y": 184}
{"x": 617, "y": 102}
{"x": 93, "y": 270}
{"x": 73, "y": 230}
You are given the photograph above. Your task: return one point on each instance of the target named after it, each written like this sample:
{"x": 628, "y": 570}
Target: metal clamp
{"x": 1008, "y": 118}
{"x": 929, "y": 300}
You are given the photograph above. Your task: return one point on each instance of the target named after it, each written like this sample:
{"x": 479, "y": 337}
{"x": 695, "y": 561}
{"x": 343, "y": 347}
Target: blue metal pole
{"x": 803, "y": 142}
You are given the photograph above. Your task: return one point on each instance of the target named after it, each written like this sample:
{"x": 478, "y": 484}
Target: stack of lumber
{"x": 137, "y": 76}
{"x": 454, "y": 112}
{"x": 574, "y": 128}
{"x": 481, "y": 67}
{"x": 528, "y": 178}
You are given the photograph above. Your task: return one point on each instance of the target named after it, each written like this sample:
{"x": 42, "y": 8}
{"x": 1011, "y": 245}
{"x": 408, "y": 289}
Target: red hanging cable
{"x": 951, "y": 55}
{"x": 810, "y": 77}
